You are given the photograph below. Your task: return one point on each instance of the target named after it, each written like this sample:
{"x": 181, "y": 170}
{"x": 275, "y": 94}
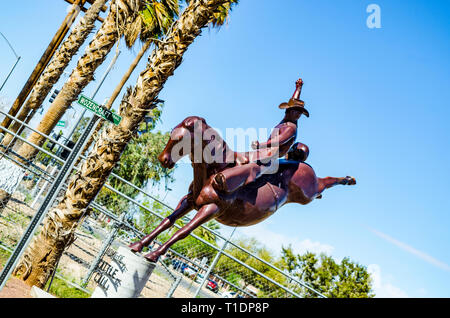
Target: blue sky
{"x": 379, "y": 108}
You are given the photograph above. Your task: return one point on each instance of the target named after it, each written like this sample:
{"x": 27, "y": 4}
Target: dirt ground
{"x": 11, "y": 228}
{"x": 15, "y": 288}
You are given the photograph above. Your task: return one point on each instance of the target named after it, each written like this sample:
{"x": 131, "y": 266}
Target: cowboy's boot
{"x": 232, "y": 179}
{"x": 219, "y": 183}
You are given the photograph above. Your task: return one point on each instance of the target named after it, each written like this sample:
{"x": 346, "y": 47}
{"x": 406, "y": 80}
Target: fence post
{"x": 43, "y": 187}
{"x": 213, "y": 264}
{"x": 174, "y": 286}
{"x": 106, "y": 244}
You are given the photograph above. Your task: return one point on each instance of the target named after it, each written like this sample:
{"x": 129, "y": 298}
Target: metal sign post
{"x": 213, "y": 264}
{"x": 116, "y": 227}
{"x": 48, "y": 201}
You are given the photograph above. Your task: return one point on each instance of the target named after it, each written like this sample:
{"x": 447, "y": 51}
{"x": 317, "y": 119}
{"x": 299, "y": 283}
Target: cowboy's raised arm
{"x": 277, "y": 139}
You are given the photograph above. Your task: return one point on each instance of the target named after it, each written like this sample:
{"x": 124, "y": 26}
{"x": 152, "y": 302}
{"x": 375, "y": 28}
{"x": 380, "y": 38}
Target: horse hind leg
{"x": 328, "y": 182}
{"x": 205, "y": 214}
{"x": 184, "y": 207}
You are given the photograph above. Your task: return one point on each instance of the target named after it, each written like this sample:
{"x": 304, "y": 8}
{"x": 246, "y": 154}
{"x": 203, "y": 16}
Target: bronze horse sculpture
{"x": 293, "y": 182}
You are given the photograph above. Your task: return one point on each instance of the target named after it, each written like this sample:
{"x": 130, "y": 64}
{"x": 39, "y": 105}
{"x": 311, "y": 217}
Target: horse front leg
{"x": 205, "y": 214}
{"x": 184, "y": 207}
{"x": 328, "y": 182}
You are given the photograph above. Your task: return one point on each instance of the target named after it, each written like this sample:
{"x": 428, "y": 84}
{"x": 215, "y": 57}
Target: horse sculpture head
{"x": 183, "y": 140}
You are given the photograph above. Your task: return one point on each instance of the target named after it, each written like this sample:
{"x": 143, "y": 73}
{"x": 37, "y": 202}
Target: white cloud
{"x": 422, "y": 292}
{"x": 274, "y": 241}
{"x": 427, "y": 258}
{"x": 382, "y": 287}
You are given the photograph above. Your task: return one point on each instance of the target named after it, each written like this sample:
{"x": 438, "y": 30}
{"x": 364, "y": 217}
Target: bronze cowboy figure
{"x": 240, "y": 192}
{"x": 280, "y": 141}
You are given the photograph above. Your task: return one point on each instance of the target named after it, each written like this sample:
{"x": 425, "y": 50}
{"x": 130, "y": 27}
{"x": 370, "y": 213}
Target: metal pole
{"x": 106, "y": 244}
{"x": 111, "y": 65}
{"x": 174, "y": 287}
{"x": 43, "y": 187}
{"x": 10, "y": 46}
{"x": 10, "y": 72}
{"x": 49, "y": 138}
{"x": 213, "y": 264}
{"x": 53, "y": 276}
{"x": 48, "y": 201}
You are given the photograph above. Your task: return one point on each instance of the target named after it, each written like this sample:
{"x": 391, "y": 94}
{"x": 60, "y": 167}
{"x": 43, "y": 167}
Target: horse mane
{"x": 200, "y": 170}
{"x": 200, "y": 176}
{"x": 189, "y": 122}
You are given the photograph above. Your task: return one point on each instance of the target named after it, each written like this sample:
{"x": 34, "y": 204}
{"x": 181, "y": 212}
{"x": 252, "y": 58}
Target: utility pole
{"x": 77, "y": 6}
{"x": 15, "y": 64}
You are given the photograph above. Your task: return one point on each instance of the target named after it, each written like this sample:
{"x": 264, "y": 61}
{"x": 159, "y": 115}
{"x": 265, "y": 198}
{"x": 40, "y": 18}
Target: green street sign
{"x": 61, "y": 123}
{"x": 99, "y": 110}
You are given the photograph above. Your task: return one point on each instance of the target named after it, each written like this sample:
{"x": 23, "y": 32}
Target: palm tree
{"x": 57, "y": 65}
{"x": 157, "y": 19}
{"x": 219, "y": 19}
{"x": 121, "y": 14}
{"x": 124, "y": 18}
{"x": 58, "y": 229}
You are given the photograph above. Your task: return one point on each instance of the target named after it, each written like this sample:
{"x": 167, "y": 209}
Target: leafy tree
{"x": 80, "y": 128}
{"x": 345, "y": 280}
{"x": 192, "y": 247}
{"x": 139, "y": 165}
{"x": 247, "y": 277}
{"x": 146, "y": 220}
{"x": 208, "y": 235}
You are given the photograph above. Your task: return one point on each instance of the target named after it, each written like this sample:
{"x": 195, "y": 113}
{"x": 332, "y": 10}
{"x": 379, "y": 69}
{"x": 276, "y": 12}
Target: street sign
{"x": 61, "y": 123}
{"x": 99, "y": 110}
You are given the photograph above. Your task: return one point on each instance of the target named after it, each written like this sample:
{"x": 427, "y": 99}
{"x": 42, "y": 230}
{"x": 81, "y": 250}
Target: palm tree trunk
{"x": 41, "y": 256}
{"x": 44, "y": 60}
{"x": 81, "y": 76}
{"x": 57, "y": 65}
{"x": 118, "y": 89}
{"x": 121, "y": 13}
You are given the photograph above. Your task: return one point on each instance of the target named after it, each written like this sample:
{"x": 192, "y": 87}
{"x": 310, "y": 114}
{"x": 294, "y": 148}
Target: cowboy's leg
{"x": 184, "y": 206}
{"x": 232, "y": 179}
{"x": 205, "y": 214}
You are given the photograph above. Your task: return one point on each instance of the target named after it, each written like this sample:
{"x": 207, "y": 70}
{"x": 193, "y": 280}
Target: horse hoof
{"x": 350, "y": 180}
{"x": 136, "y": 247}
{"x": 152, "y": 257}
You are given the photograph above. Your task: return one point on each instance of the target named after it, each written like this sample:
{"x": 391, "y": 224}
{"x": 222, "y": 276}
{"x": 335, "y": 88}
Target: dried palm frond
{"x": 222, "y": 13}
